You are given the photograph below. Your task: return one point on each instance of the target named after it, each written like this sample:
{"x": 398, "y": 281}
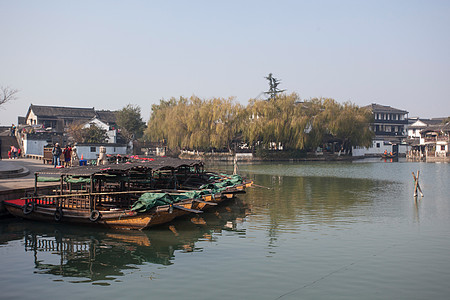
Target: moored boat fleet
{"x": 135, "y": 195}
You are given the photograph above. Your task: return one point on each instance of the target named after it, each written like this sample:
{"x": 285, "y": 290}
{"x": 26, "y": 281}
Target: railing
{"x": 392, "y": 133}
{"x": 381, "y": 121}
{"x": 437, "y": 139}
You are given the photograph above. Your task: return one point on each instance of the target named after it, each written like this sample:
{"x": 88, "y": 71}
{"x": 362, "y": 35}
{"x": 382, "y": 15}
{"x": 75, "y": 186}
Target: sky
{"x": 107, "y": 54}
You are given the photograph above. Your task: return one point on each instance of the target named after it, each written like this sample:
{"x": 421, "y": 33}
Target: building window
{"x": 378, "y": 145}
{"x": 442, "y": 147}
{"x": 93, "y": 149}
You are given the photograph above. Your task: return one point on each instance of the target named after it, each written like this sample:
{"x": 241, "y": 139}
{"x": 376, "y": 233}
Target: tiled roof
{"x": 62, "y": 112}
{"x": 440, "y": 127}
{"x": 43, "y": 111}
{"x": 106, "y": 116}
{"x": 378, "y": 108}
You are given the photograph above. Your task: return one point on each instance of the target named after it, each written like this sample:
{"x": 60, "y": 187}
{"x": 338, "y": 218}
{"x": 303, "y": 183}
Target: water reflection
{"x": 93, "y": 254}
{"x": 318, "y": 199}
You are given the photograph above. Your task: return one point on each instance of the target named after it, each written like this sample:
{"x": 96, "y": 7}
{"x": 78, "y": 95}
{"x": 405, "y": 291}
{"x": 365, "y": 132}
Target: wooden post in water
{"x": 416, "y": 184}
{"x": 235, "y": 170}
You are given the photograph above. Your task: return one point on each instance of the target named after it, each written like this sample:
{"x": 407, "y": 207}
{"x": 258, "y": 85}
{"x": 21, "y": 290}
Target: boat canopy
{"x": 165, "y": 163}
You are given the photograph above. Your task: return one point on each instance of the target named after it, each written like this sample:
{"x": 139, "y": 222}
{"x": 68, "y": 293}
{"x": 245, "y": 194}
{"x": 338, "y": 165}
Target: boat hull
{"x": 119, "y": 219}
{"x": 209, "y": 201}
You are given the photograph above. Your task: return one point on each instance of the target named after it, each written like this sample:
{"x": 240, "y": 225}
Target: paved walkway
{"x": 20, "y": 182}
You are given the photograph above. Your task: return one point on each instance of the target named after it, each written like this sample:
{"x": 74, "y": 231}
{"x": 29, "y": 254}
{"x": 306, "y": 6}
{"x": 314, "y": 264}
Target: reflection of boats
{"x": 94, "y": 254}
{"x": 127, "y": 196}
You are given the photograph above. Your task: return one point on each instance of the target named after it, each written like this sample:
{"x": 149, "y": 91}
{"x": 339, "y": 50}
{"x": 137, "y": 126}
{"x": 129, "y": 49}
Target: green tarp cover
{"x": 78, "y": 180}
{"x": 149, "y": 200}
{"x": 69, "y": 179}
{"x": 222, "y": 185}
{"x": 48, "y": 179}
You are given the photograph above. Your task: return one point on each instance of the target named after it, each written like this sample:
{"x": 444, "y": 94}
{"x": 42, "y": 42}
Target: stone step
{"x": 9, "y": 170}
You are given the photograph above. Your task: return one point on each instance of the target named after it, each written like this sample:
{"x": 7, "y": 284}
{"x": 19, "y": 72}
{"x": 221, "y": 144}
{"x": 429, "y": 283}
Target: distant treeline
{"x": 197, "y": 124}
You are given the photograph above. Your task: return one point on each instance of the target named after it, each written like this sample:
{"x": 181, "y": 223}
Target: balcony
{"x": 390, "y": 134}
{"x": 395, "y": 122}
{"x": 436, "y": 139}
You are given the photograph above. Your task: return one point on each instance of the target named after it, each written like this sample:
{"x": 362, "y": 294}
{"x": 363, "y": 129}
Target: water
{"x": 322, "y": 231}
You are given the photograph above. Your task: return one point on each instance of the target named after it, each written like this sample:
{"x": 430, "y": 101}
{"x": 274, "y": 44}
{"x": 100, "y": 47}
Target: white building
{"x": 390, "y": 128}
{"x": 419, "y": 124}
{"x": 92, "y": 151}
{"x": 110, "y": 132}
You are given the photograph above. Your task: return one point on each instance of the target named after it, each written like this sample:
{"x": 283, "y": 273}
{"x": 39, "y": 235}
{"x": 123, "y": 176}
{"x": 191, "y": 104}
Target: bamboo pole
{"x": 416, "y": 184}
{"x": 261, "y": 186}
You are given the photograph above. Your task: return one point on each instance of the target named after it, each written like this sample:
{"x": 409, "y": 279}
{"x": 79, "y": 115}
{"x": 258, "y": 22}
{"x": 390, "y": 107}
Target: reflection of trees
{"x": 94, "y": 254}
{"x": 296, "y": 201}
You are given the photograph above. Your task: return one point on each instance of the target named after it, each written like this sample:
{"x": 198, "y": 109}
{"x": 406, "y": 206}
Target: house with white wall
{"x": 111, "y": 132}
{"x": 390, "y": 128}
{"x": 92, "y": 151}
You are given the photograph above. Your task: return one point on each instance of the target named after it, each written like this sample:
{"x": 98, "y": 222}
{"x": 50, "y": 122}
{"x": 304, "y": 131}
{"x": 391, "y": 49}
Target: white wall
{"x": 34, "y": 147}
{"x": 374, "y": 150}
{"x": 112, "y": 134}
{"x": 85, "y": 150}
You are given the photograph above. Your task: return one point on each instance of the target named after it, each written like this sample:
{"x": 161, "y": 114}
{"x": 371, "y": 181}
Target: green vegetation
{"x": 87, "y": 135}
{"x": 195, "y": 123}
{"x": 285, "y": 123}
{"x": 130, "y": 122}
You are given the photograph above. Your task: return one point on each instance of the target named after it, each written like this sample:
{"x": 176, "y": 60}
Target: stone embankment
{"x": 249, "y": 157}
{"x": 17, "y": 179}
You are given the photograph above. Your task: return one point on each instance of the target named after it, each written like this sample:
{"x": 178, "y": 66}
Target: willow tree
{"x": 194, "y": 123}
{"x": 164, "y": 123}
{"x": 279, "y": 120}
{"x": 305, "y": 125}
{"x": 352, "y": 125}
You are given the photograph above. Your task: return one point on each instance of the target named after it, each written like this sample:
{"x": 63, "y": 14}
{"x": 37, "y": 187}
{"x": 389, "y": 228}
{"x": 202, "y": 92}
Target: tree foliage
{"x": 286, "y": 120}
{"x": 300, "y": 124}
{"x": 130, "y": 122}
{"x": 88, "y": 135}
{"x": 194, "y": 123}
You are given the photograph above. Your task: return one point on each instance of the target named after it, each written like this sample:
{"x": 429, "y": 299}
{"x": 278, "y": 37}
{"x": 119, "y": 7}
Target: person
{"x": 385, "y": 152}
{"x": 56, "y": 152}
{"x": 13, "y": 130}
{"x": 19, "y": 151}
{"x": 13, "y": 152}
{"x": 67, "y": 156}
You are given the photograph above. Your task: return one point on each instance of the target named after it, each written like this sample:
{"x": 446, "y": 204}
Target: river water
{"x": 349, "y": 230}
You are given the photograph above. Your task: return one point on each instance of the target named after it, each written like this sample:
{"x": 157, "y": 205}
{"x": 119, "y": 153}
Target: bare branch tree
{"x": 7, "y": 94}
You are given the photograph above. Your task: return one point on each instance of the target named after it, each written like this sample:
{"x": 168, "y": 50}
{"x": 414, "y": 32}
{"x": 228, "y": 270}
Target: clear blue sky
{"x": 106, "y": 54}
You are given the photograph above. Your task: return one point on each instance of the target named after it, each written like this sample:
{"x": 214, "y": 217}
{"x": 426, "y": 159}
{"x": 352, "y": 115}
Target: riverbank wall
{"x": 268, "y": 156}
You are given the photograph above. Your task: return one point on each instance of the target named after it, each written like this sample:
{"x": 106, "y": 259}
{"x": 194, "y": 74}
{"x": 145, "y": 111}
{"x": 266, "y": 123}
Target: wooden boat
{"x": 388, "y": 156}
{"x": 134, "y": 195}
